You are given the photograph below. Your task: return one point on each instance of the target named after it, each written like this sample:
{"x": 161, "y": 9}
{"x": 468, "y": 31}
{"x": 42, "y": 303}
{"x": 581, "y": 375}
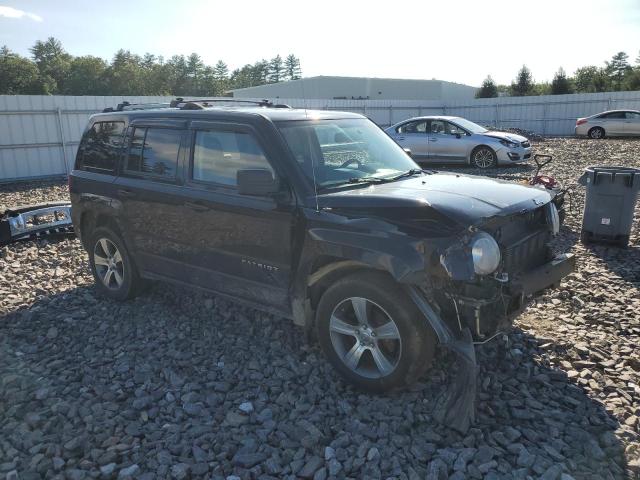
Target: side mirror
{"x": 257, "y": 182}
{"x": 458, "y": 135}
{"x": 408, "y": 152}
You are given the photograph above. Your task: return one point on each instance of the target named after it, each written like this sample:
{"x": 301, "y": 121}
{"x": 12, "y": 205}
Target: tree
{"x": 276, "y": 69}
{"x": 523, "y": 84}
{"x": 195, "y": 73}
{"x": 52, "y": 62}
{"x": 86, "y": 76}
{"x": 560, "y": 84}
{"x": 125, "y": 75}
{"x": 292, "y": 67}
{"x": 617, "y": 69}
{"x": 590, "y": 79}
{"x": 221, "y": 77}
{"x": 489, "y": 89}
{"x": 19, "y": 75}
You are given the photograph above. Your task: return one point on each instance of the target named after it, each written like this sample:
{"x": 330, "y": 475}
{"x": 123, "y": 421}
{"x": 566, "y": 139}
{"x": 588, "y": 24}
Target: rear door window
{"x": 417, "y": 126}
{"x": 100, "y": 147}
{"x": 218, "y": 155}
{"x": 154, "y": 152}
{"x": 613, "y": 115}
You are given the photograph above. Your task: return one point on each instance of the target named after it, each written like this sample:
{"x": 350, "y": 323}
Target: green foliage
{"x": 53, "y": 71}
{"x": 560, "y": 84}
{"x": 19, "y": 75}
{"x": 617, "y": 69}
{"x": 292, "y": 67}
{"x": 590, "y": 79}
{"x": 523, "y": 84}
{"x": 489, "y": 89}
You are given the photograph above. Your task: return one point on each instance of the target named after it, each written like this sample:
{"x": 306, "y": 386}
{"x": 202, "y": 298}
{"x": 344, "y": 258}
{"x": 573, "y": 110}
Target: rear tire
{"x": 114, "y": 272}
{"x": 483, "y": 158}
{"x": 372, "y": 333}
{"x": 596, "y": 133}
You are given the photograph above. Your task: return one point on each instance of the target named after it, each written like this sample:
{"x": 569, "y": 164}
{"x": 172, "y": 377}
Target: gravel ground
{"x": 181, "y": 385}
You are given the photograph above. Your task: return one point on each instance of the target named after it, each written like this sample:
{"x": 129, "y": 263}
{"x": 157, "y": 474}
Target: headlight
{"x": 553, "y": 218}
{"x": 508, "y": 143}
{"x": 486, "y": 254}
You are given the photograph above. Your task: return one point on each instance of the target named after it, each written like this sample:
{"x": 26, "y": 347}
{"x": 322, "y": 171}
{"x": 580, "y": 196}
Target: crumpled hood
{"x": 465, "y": 199}
{"x": 509, "y": 136}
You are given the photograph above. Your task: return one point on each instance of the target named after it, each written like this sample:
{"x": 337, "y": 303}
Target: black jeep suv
{"x": 317, "y": 216}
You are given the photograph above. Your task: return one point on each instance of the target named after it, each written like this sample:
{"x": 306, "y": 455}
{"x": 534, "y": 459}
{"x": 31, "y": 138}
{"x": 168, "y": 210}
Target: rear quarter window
{"x": 154, "y": 152}
{"x": 100, "y": 147}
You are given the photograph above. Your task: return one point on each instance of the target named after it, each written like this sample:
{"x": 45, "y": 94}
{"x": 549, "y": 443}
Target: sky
{"x": 460, "y": 41}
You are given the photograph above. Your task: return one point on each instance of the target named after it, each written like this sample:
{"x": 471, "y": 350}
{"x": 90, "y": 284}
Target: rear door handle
{"x": 400, "y": 138}
{"x": 433, "y": 139}
{"x": 197, "y": 206}
{"x": 126, "y": 193}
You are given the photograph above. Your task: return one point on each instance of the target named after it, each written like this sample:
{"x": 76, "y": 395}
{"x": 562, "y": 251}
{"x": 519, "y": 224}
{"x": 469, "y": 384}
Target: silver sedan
{"x": 614, "y": 123}
{"x": 442, "y": 139}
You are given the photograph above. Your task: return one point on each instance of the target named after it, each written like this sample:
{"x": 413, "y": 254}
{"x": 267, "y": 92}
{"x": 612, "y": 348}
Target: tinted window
{"x": 418, "y": 126}
{"x": 633, "y": 116}
{"x": 100, "y": 147}
{"x": 452, "y": 129}
{"x": 613, "y": 115}
{"x": 437, "y": 126}
{"x": 218, "y": 155}
{"x": 154, "y": 151}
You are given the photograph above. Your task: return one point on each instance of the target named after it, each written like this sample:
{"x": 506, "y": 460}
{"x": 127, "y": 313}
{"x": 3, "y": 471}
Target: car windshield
{"x": 467, "y": 125}
{"x": 339, "y": 152}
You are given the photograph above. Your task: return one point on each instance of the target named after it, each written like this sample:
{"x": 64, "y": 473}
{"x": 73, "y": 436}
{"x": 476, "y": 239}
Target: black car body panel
{"x": 273, "y": 251}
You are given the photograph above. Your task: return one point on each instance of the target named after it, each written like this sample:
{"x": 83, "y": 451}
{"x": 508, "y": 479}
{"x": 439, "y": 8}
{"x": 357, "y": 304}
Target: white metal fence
{"x": 39, "y": 135}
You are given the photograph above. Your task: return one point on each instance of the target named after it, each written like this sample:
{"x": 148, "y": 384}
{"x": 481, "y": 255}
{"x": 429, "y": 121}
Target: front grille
{"x": 527, "y": 253}
{"x": 526, "y": 144}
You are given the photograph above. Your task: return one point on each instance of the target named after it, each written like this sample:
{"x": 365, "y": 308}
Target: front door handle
{"x": 433, "y": 139}
{"x": 400, "y": 138}
{"x": 197, "y": 206}
{"x": 126, "y": 193}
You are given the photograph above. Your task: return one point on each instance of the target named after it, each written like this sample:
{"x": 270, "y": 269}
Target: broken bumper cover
{"x": 35, "y": 220}
{"x": 547, "y": 275}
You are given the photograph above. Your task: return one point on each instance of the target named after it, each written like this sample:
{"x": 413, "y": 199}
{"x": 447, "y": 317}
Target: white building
{"x": 322, "y": 87}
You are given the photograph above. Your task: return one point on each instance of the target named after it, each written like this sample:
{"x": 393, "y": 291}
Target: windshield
{"x": 338, "y": 152}
{"x": 467, "y": 125}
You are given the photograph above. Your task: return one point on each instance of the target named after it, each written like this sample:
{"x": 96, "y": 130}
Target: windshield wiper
{"x": 408, "y": 173}
{"x": 367, "y": 180}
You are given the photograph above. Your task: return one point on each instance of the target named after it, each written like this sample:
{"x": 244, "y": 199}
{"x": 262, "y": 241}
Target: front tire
{"x": 483, "y": 158}
{"x": 372, "y": 333}
{"x": 113, "y": 270}
{"x": 596, "y": 133}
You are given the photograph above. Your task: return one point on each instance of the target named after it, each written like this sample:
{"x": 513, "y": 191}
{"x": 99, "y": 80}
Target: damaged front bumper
{"x": 489, "y": 307}
{"x": 35, "y": 220}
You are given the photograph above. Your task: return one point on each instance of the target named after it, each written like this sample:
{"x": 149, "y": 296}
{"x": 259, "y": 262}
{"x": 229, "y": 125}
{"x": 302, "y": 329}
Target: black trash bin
{"x": 609, "y": 202}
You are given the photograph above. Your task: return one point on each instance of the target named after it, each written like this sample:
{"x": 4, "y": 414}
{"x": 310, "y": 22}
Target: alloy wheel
{"x": 596, "y": 133}
{"x": 108, "y": 263}
{"x": 365, "y": 337}
{"x": 483, "y": 158}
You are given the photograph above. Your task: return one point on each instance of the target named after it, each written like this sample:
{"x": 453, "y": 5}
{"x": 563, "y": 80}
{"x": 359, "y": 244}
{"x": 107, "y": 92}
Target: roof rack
{"x": 192, "y": 104}
{"x": 136, "y": 106}
{"x": 202, "y": 103}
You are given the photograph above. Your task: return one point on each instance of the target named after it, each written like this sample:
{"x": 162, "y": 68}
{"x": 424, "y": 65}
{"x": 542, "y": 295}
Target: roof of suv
{"x": 274, "y": 114}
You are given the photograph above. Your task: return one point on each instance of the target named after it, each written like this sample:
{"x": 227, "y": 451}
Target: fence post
{"x": 497, "y": 116}
{"x": 390, "y": 115}
{"x": 62, "y": 141}
{"x": 544, "y": 118}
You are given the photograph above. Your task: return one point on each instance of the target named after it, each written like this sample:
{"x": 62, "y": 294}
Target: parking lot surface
{"x": 176, "y": 384}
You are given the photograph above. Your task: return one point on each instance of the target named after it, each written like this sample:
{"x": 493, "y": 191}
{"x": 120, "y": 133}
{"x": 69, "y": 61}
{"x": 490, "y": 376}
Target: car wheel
{"x": 483, "y": 157}
{"x": 596, "y": 133}
{"x": 372, "y": 333}
{"x": 113, "y": 270}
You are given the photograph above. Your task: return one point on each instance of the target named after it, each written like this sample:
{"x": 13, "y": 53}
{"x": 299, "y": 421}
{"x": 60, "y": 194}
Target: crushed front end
{"x": 495, "y": 267}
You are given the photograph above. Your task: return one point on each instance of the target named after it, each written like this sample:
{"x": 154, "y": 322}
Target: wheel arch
{"x": 477, "y": 147}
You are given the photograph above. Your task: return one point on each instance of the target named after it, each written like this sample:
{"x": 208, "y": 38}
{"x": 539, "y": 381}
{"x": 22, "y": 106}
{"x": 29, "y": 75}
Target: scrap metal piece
{"x": 35, "y": 220}
{"x": 456, "y": 406}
